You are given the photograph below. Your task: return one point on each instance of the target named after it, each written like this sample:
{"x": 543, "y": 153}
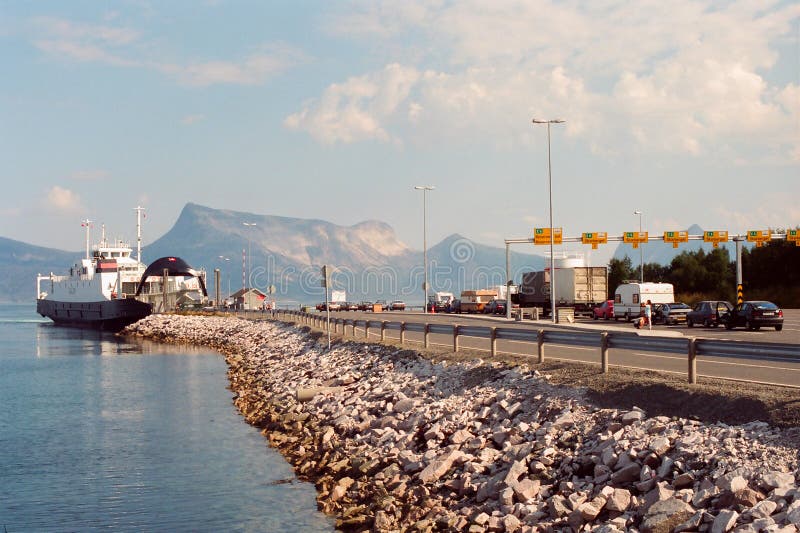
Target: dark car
{"x": 755, "y": 315}
{"x": 455, "y": 306}
{"x": 365, "y": 306}
{"x": 606, "y": 310}
{"x": 671, "y": 313}
{"x": 495, "y": 307}
{"x": 709, "y": 313}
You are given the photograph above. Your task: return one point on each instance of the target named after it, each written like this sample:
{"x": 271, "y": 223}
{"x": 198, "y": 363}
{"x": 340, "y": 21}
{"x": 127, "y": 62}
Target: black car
{"x": 709, "y": 313}
{"x": 754, "y": 315}
{"x": 455, "y": 306}
{"x": 671, "y": 313}
{"x": 495, "y": 307}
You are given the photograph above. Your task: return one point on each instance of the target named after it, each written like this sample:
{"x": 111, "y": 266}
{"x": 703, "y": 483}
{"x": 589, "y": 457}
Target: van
{"x": 629, "y": 297}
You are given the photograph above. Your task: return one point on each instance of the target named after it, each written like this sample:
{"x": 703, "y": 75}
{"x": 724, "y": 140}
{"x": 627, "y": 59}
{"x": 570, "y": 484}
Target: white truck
{"x": 580, "y": 287}
{"x": 629, "y": 298}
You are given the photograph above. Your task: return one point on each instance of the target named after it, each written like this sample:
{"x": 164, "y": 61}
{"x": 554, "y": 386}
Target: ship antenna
{"x": 87, "y": 224}
{"x": 138, "y": 210}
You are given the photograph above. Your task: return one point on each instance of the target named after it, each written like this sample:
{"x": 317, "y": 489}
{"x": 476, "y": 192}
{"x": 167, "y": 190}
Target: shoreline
{"x": 393, "y": 441}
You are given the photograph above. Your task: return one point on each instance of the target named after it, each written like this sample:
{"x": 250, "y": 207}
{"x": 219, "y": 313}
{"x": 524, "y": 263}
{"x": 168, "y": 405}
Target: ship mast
{"x": 87, "y": 224}
{"x": 138, "y": 210}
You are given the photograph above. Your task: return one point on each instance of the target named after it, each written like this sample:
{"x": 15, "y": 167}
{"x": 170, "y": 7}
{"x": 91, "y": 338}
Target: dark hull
{"x": 110, "y": 315}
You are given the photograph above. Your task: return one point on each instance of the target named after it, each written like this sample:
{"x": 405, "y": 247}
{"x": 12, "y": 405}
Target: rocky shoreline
{"x": 395, "y": 442}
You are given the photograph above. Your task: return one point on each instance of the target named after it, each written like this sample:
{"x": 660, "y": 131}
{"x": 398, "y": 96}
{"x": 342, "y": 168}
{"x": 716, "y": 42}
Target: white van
{"x": 629, "y": 297}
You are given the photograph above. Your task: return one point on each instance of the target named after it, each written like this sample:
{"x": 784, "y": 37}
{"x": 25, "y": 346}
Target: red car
{"x": 605, "y": 311}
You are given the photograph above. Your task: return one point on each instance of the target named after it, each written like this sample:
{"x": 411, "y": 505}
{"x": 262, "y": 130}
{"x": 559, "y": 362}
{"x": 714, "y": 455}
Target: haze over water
{"x": 102, "y": 434}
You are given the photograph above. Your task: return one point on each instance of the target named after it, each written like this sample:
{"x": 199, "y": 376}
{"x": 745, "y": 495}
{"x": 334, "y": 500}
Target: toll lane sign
{"x": 635, "y": 238}
{"x": 759, "y": 236}
{"x": 715, "y": 237}
{"x": 542, "y": 236}
{"x": 595, "y": 238}
{"x": 793, "y": 235}
{"x": 676, "y": 237}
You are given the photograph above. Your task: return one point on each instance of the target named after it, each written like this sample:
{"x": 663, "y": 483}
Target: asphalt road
{"x": 780, "y": 372}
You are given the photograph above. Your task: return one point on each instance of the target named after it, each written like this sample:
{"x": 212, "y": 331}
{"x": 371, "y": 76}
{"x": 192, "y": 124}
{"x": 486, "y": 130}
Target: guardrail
{"x": 605, "y": 340}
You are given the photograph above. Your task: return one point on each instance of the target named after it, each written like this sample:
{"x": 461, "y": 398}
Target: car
{"x": 437, "y": 306}
{"x": 365, "y": 306}
{"x": 495, "y": 307}
{"x": 606, "y": 310}
{"x": 397, "y": 305}
{"x": 334, "y": 306}
{"x": 709, "y": 313}
{"x": 383, "y": 304}
{"x": 670, "y": 313}
{"x": 754, "y": 315}
{"x": 455, "y": 306}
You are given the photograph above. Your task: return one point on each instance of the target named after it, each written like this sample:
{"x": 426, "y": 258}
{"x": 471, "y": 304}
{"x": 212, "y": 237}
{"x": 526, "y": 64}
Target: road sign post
{"x": 715, "y": 237}
{"x": 676, "y": 237}
{"x": 594, "y": 238}
{"x": 759, "y": 236}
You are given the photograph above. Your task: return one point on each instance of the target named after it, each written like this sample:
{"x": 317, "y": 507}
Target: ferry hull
{"x": 108, "y": 315}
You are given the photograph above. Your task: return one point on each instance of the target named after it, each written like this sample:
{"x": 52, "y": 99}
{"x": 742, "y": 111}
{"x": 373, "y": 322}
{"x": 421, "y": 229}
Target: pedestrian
{"x": 648, "y": 314}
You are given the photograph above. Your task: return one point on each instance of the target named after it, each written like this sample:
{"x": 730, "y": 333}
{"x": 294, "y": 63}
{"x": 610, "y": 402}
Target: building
{"x": 248, "y": 299}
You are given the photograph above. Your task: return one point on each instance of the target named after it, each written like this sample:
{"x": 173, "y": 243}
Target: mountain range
{"x": 369, "y": 261}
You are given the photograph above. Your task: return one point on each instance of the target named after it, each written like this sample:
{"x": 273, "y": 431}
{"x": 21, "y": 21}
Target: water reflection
{"x": 53, "y": 340}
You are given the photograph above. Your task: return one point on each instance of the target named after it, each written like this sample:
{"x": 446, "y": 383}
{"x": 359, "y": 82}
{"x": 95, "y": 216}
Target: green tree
{"x": 619, "y": 271}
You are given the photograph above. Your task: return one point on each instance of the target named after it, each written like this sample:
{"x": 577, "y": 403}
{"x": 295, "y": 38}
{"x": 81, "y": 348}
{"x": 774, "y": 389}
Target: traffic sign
{"x": 635, "y": 238}
{"x": 676, "y": 237}
{"x": 595, "y": 238}
{"x": 715, "y": 237}
{"x": 542, "y": 236}
{"x": 759, "y": 236}
{"x": 793, "y": 235}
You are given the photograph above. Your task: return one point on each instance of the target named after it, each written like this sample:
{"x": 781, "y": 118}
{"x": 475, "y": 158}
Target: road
{"x": 779, "y": 372}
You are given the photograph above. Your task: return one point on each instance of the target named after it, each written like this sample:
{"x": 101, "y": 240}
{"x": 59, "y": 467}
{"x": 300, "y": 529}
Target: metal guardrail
{"x": 605, "y": 340}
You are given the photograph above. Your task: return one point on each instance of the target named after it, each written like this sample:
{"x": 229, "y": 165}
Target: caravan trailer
{"x": 630, "y": 297}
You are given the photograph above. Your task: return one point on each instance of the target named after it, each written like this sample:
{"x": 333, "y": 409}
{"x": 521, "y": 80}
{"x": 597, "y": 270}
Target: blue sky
{"x": 688, "y": 111}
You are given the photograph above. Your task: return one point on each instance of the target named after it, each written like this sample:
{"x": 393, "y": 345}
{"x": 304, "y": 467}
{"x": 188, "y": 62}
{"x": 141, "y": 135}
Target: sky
{"x": 687, "y": 111}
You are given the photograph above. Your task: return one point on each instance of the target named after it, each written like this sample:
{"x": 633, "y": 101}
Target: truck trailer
{"x": 475, "y": 301}
{"x": 580, "y": 287}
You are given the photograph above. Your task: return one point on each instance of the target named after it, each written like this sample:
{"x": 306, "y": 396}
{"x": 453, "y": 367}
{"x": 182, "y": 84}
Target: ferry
{"x": 99, "y": 291}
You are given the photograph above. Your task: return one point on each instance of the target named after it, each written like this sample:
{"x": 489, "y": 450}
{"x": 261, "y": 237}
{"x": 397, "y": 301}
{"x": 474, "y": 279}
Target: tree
{"x": 619, "y": 271}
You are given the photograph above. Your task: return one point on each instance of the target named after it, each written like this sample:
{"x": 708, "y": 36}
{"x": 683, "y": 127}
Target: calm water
{"x": 99, "y": 434}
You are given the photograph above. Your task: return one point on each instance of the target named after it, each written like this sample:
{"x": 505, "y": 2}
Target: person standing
{"x": 648, "y": 314}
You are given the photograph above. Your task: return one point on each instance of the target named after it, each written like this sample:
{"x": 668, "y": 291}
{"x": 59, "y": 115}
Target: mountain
{"x": 663, "y": 253}
{"x": 370, "y": 262}
{"x": 21, "y": 262}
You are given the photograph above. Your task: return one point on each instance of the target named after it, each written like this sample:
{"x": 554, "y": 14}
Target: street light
{"x": 425, "y": 189}
{"x": 641, "y": 251}
{"x": 249, "y": 273}
{"x": 223, "y": 258}
{"x": 550, "y": 192}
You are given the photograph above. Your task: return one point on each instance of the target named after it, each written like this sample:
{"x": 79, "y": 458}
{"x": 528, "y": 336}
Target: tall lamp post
{"x": 552, "y": 231}
{"x": 425, "y": 189}
{"x": 641, "y": 252}
{"x": 249, "y": 239}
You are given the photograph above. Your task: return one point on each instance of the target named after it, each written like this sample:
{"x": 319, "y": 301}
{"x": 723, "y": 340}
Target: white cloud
{"x": 122, "y": 47}
{"x": 255, "y": 69}
{"x": 677, "y": 77}
{"x": 63, "y": 200}
{"x": 357, "y": 109}
{"x": 188, "y": 120}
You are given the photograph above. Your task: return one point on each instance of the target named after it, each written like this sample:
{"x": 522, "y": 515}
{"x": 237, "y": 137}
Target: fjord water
{"x": 99, "y": 433}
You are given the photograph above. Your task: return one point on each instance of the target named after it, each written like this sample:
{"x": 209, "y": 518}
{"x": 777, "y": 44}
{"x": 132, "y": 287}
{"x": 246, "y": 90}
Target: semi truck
{"x": 580, "y": 287}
